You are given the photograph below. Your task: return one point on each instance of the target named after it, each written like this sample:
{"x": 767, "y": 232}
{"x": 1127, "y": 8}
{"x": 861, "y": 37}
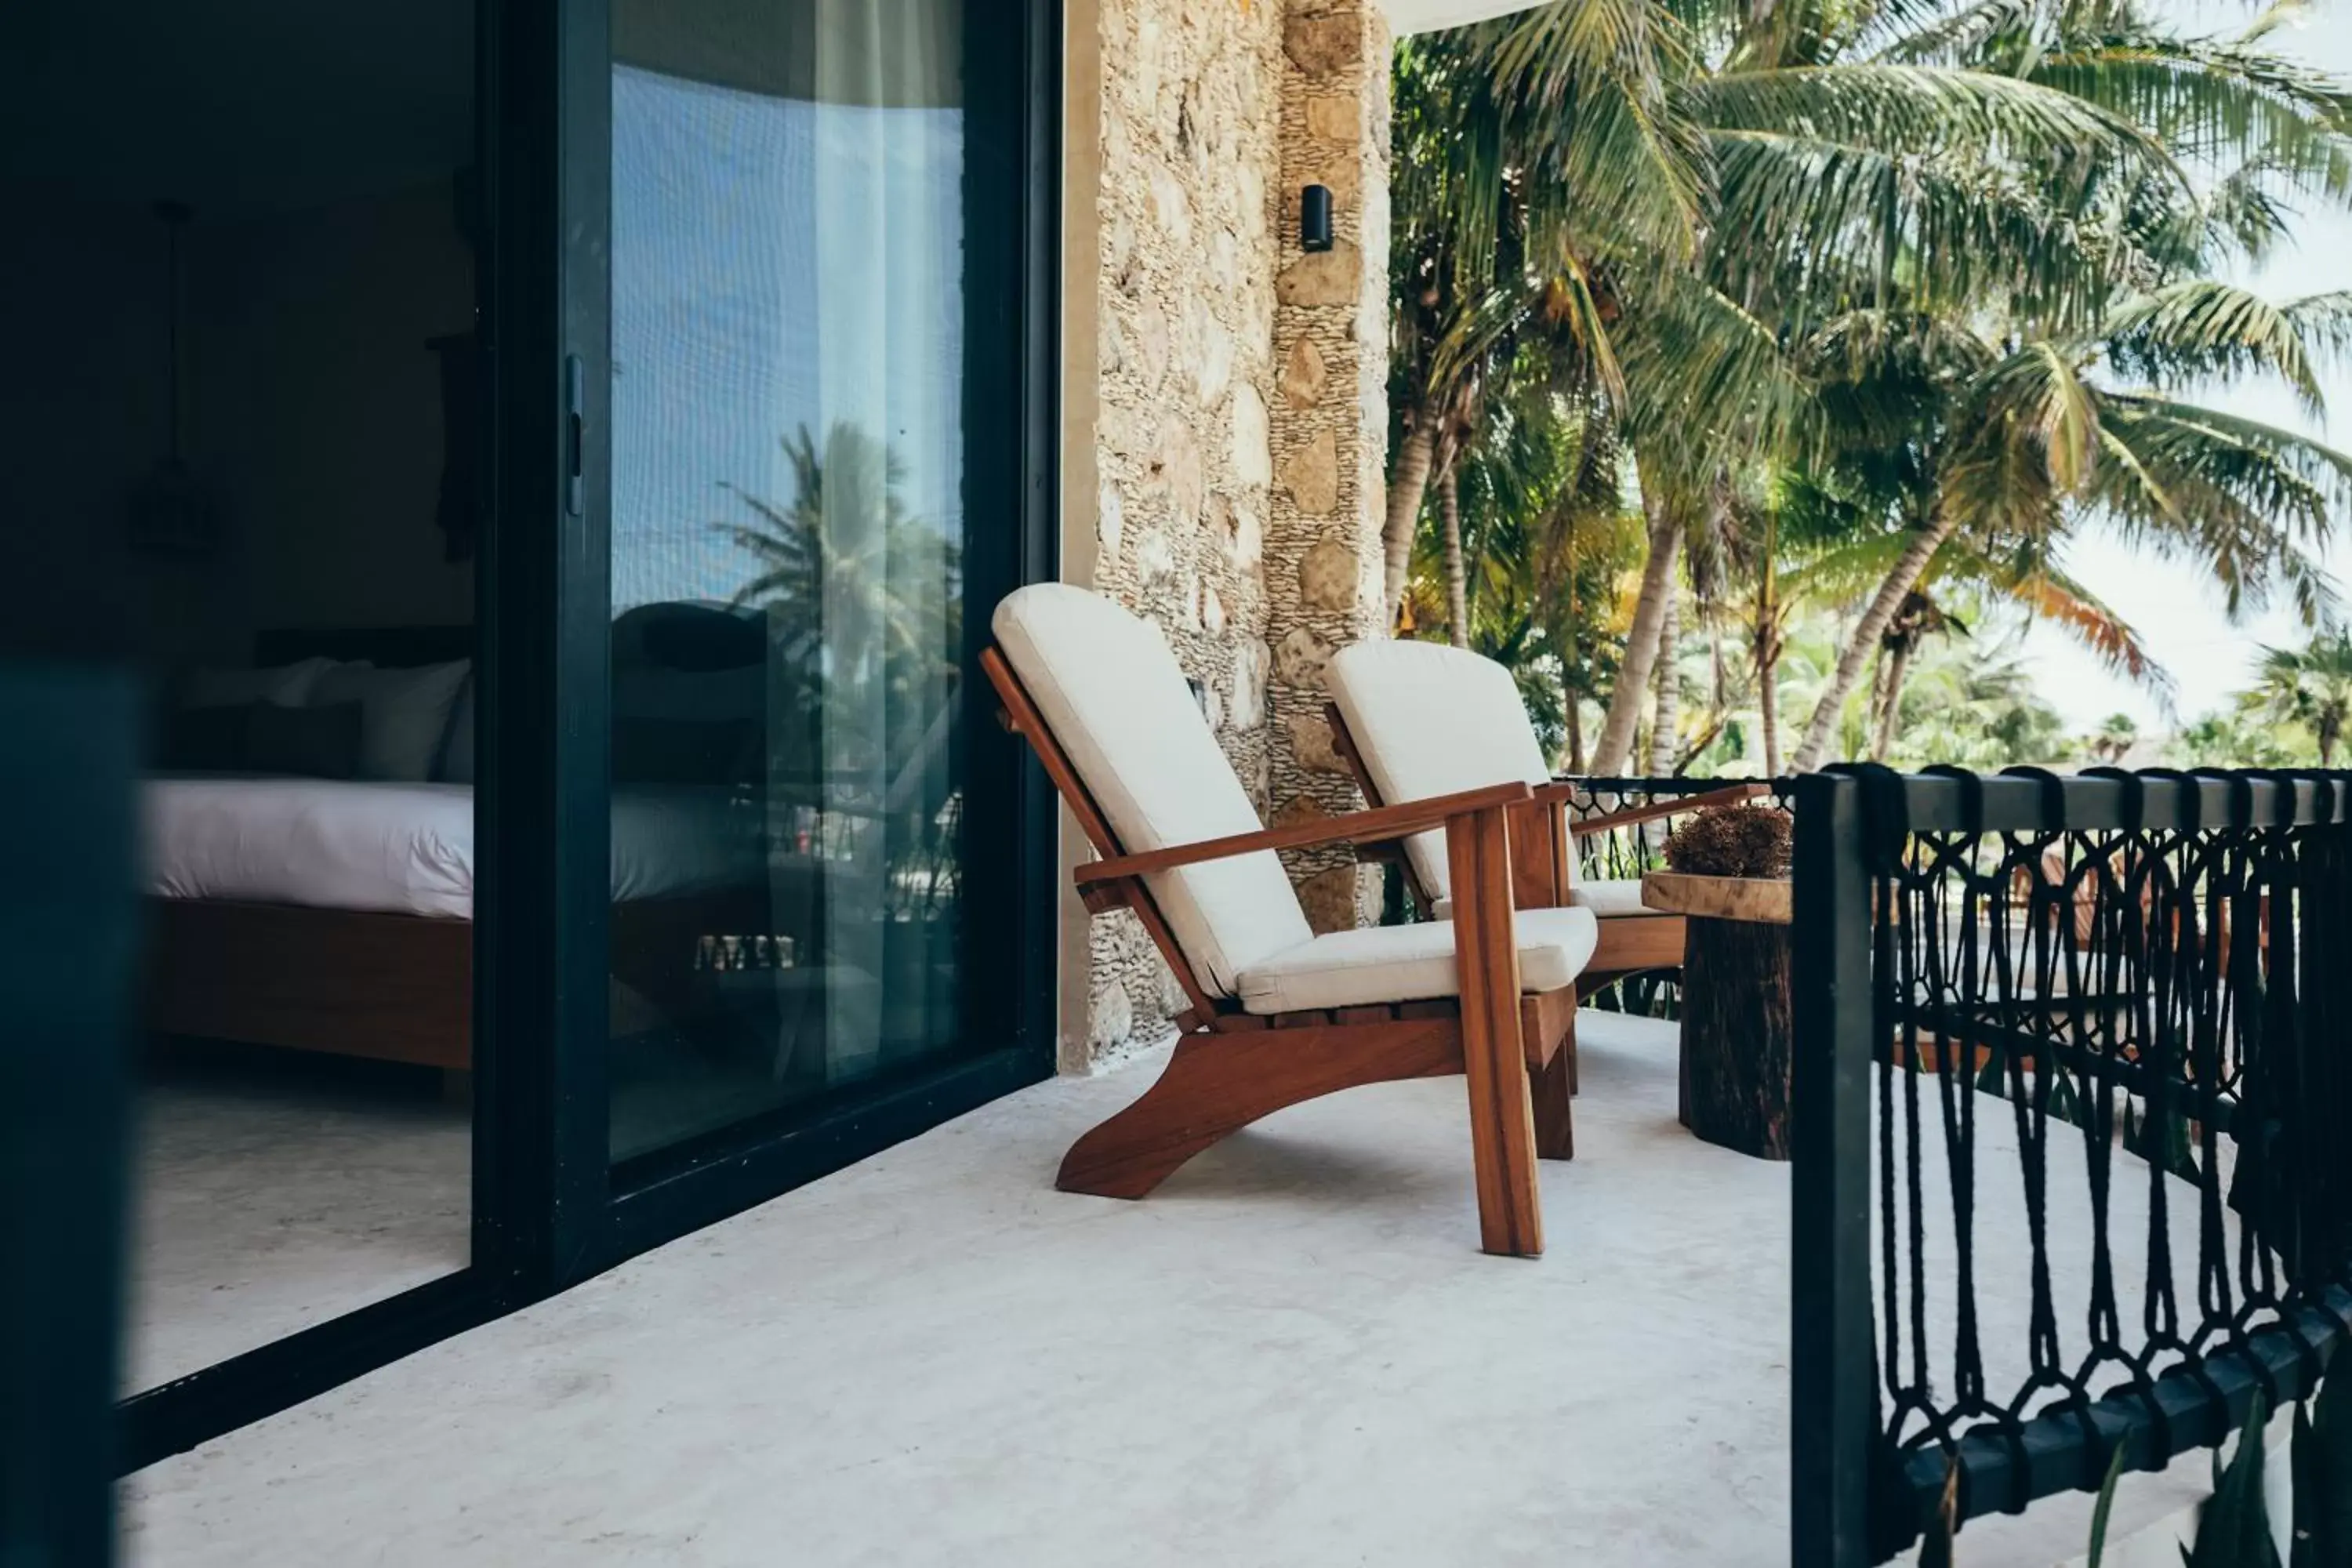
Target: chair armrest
{"x": 1563, "y": 790}
{"x": 1373, "y": 826}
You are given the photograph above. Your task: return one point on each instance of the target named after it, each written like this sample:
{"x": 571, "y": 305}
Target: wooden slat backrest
{"x": 1022, "y": 716}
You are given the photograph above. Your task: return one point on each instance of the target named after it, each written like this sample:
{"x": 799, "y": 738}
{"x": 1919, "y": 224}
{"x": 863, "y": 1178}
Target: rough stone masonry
{"x": 1237, "y": 395}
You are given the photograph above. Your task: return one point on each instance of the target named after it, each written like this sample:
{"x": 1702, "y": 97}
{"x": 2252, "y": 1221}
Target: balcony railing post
{"x": 1833, "y": 1375}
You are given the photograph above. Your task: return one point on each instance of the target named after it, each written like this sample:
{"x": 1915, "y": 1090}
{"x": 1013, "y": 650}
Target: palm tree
{"x": 1877, "y": 245}
{"x": 2117, "y": 733}
{"x": 1972, "y": 700}
{"x": 865, "y": 598}
{"x": 2033, "y": 436}
{"x": 1807, "y": 172}
{"x": 1545, "y": 530}
{"x": 2311, "y": 684}
{"x": 2020, "y": 445}
{"x": 1919, "y": 617}
{"x": 1521, "y": 149}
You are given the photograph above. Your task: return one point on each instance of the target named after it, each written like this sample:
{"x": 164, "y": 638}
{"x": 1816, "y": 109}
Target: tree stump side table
{"x": 1736, "y": 1029}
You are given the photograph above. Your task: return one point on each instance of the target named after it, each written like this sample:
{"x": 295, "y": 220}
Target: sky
{"x": 779, "y": 265}
{"x": 2177, "y": 610}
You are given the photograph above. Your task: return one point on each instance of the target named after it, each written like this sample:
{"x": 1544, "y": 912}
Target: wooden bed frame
{"x": 393, "y": 987}
{"x": 348, "y": 981}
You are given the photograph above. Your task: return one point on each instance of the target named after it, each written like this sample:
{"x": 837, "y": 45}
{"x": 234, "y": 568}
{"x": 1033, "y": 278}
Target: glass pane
{"x": 238, "y": 439}
{"x": 787, "y": 538}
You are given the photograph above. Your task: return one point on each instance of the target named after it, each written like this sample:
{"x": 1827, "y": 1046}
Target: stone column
{"x": 1171, "y": 169}
{"x": 1328, "y": 417}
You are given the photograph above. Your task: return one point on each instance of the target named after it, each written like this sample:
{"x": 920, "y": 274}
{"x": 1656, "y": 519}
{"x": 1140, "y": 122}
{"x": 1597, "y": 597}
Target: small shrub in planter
{"x": 1731, "y": 841}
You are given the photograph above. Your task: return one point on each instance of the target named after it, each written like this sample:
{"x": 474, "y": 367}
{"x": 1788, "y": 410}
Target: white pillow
{"x": 457, "y": 751}
{"x": 287, "y": 685}
{"x": 403, "y": 713}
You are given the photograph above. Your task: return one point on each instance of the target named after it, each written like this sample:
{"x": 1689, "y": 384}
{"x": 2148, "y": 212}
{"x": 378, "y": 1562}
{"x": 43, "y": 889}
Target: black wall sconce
{"x": 1315, "y": 218}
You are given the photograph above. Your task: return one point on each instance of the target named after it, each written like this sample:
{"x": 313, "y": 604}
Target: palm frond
{"x": 2202, "y": 328}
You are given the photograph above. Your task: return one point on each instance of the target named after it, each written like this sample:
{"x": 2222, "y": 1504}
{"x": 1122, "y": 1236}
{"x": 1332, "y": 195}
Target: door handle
{"x": 575, "y": 433}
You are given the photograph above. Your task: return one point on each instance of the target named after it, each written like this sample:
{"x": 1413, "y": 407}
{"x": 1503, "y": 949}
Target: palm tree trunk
{"x": 2328, "y": 736}
{"x": 1670, "y": 693}
{"x": 1457, "y": 575}
{"x": 1574, "y": 650}
{"x": 1900, "y": 579}
{"x": 1768, "y": 647}
{"x": 1616, "y": 742}
{"x": 1890, "y": 700}
{"x": 1715, "y": 726}
{"x": 1406, "y": 485}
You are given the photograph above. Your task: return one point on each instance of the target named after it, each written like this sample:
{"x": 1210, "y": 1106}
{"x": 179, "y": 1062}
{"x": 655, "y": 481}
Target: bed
{"x": 335, "y": 915}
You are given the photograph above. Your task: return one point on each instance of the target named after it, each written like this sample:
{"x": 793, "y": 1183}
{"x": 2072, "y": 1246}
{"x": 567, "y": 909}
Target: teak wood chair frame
{"x": 1627, "y": 945}
{"x": 1230, "y": 1066}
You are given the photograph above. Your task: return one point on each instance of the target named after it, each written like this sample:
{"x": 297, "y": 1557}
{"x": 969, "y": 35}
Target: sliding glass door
{"x": 746, "y": 428}
{"x": 807, "y": 368}
{"x": 788, "y": 527}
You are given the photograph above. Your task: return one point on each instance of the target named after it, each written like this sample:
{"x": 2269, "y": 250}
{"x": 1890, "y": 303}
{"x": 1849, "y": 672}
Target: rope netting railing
{"x": 2099, "y": 1095}
{"x": 1624, "y": 853}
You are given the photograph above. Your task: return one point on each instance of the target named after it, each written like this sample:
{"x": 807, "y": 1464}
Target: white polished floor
{"x": 273, "y": 1194}
{"x": 1291, "y": 1354}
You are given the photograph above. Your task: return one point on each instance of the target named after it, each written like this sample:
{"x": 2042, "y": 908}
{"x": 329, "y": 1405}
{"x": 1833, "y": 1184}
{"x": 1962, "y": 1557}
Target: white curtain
{"x": 886, "y": 225}
{"x": 788, "y": 398}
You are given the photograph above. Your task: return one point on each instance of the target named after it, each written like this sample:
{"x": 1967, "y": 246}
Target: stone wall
{"x": 1330, "y": 426}
{"x": 1190, "y": 125}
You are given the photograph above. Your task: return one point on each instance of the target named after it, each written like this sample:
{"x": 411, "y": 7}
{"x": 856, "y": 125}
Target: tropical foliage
{"x": 1808, "y": 334}
{"x": 863, "y": 599}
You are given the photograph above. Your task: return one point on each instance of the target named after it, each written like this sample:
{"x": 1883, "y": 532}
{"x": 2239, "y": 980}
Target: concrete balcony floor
{"x": 1292, "y": 1353}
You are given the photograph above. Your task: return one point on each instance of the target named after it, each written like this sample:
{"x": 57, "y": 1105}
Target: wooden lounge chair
{"x": 1276, "y": 1015}
{"x": 1418, "y": 719}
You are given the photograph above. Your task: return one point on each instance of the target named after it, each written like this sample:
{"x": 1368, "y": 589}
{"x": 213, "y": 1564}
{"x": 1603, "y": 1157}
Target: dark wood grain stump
{"x": 1736, "y": 1030}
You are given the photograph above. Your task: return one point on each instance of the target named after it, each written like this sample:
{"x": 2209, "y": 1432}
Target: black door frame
{"x": 547, "y": 1213}
{"x": 1012, "y": 103}
{"x": 1012, "y": 85}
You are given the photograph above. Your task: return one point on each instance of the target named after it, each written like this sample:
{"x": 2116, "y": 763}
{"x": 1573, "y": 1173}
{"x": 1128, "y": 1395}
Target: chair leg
{"x": 1554, "y": 1084}
{"x": 1217, "y": 1084}
{"x": 1493, "y": 1057}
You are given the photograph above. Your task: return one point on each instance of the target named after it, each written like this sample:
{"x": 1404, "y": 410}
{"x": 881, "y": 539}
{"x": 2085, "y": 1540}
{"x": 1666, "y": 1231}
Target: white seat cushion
{"x": 1112, "y": 694}
{"x": 1432, "y": 719}
{"x": 1377, "y": 964}
{"x": 1611, "y": 901}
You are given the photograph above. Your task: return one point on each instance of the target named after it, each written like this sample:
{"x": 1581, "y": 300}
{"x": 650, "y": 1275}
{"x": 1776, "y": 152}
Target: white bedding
{"x": 404, "y": 849}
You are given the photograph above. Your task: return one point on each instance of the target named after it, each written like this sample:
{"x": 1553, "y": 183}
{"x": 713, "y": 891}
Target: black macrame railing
{"x": 1626, "y": 852}
{"x": 2073, "y": 1127}
{"x": 1623, "y": 854}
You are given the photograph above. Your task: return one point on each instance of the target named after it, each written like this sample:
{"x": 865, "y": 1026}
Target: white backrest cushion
{"x": 1431, "y": 720}
{"x": 1109, "y": 689}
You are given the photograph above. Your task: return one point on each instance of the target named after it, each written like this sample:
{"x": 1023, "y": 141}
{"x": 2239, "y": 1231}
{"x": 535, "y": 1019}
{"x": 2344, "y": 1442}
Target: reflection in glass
{"x": 787, "y": 532}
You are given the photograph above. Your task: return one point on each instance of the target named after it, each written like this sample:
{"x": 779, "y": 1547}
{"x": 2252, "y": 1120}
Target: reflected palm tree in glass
{"x": 864, "y": 610}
